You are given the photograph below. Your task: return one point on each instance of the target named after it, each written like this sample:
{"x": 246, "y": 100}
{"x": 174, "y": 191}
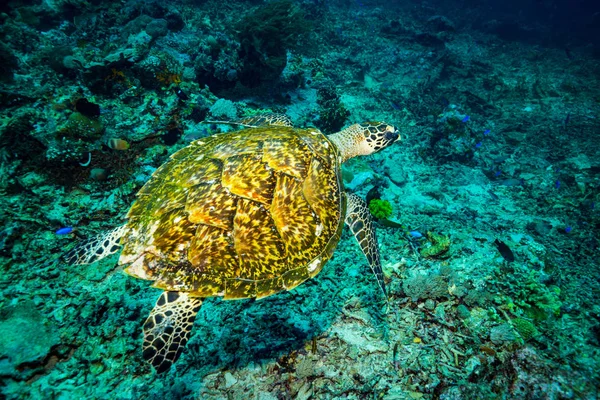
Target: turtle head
{"x": 364, "y": 139}
{"x": 378, "y": 135}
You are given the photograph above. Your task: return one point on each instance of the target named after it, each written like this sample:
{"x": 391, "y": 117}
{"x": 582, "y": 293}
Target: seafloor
{"x": 490, "y": 252}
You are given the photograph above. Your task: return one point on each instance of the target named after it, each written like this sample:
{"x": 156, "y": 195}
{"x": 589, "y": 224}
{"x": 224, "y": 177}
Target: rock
{"x": 27, "y": 338}
{"x": 157, "y": 28}
{"x": 31, "y": 180}
{"x": 439, "y": 23}
{"x": 175, "y": 21}
{"x": 135, "y": 26}
{"x": 98, "y": 174}
{"x": 230, "y": 380}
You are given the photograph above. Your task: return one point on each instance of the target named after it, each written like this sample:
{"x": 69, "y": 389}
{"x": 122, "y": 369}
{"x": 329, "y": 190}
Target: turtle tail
{"x": 96, "y": 248}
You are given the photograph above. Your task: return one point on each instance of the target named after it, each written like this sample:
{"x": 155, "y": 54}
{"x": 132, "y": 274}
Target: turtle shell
{"x": 244, "y": 214}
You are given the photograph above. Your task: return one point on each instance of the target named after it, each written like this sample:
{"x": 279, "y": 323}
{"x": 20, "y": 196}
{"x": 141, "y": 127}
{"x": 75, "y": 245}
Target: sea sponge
{"x": 380, "y": 209}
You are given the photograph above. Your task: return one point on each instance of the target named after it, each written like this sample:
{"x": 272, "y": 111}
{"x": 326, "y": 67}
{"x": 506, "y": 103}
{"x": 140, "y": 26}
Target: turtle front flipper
{"x": 360, "y": 222}
{"x": 96, "y": 248}
{"x": 167, "y": 329}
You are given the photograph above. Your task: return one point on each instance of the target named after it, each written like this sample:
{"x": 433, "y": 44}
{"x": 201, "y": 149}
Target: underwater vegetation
{"x": 485, "y": 210}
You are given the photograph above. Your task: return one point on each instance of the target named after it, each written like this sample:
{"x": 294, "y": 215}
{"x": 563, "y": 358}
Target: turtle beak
{"x": 391, "y": 137}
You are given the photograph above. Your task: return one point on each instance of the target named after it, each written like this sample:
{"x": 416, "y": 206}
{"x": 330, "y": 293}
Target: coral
{"x": 380, "y": 209}
{"x": 81, "y": 127}
{"x": 224, "y": 109}
{"x": 265, "y": 36}
{"x": 67, "y": 150}
{"x": 217, "y": 63}
{"x": 503, "y": 334}
{"x": 437, "y": 247}
{"x": 526, "y": 291}
{"x": 332, "y": 113}
{"x": 425, "y": 286}
{"x": 158, "y": 69}
{"x": 525, "y": 328}
{"x": 453, "y": 139}
{"x": 168, "y": 78}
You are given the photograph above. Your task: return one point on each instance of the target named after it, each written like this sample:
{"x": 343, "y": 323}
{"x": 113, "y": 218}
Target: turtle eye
{"x": 391, "y": 136}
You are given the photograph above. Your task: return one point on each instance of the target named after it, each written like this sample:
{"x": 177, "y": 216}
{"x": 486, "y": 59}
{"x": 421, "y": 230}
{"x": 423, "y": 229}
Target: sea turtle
{"x": 244, "y": 214}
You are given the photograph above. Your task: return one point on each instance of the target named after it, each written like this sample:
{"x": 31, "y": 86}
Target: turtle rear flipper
{"x": 167, "y": 329}
{"x": 96, "y": 248}
{"x": 266, "y": 119}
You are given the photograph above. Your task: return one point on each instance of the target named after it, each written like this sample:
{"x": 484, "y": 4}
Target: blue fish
{"x": 557, "y": 184}
{"x": 487, "y": 132}
{"x": 415, "y": 234}
{"x": 466, "y": 118}
{"x": 568, "y": 229}
{"x": 478, "y": 145}
{"x": 498, "y": 173}
{"x": 64, "y": 231}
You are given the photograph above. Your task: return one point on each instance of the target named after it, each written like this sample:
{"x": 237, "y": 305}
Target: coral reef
{"x": 497, "y": 110}
{"x": 265, "y": 36}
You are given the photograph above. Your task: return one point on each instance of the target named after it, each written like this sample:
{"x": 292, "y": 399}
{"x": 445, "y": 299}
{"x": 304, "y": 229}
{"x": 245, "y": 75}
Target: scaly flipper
{"x": 258, "y": 120}
{"x": 360, "y": 222}
{"x": 167, "y": 329}
{"x": 96, "y": 248}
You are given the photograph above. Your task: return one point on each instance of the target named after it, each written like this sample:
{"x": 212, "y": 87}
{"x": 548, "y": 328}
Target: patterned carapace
{"x": 244, "y": 214}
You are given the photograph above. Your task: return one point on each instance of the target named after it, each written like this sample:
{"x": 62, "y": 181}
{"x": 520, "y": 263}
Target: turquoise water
{"x": 486, "y": 210}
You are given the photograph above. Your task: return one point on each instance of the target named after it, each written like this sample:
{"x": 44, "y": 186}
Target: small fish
{"x": 557, "y": 184}
{"x": 512, "y": 182}
{"x": 500, "y": 159}
{"x": 478, "y": 145}
{"x": 415, "y": 234}
{"x": 487, "y": 132}
{"x": 494, "y": 195}
{"x": 373, "y": 194}
{"x": 466, "y": 118}
{"x": 390, "y": 224}
{"x": 567, "y": 119}
{"x": 395, "y": 106}
{"x": 498, "y": 173}
{"x": 118, "y": 144}
{"x": 568, "y": 229}
{"x": 64, "y": 231}
{"x": 504, "y": 250}
{"x": 181, "y": 94}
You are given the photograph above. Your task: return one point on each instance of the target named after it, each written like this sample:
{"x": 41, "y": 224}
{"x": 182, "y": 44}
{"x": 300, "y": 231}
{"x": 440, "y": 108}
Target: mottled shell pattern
{"x": 243, "y": 214}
